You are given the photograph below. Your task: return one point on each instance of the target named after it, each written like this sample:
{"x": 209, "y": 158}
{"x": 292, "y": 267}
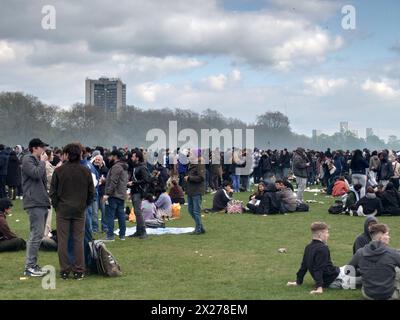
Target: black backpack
{"x": 302, "y": 207}
{"x": 336, "y": 208}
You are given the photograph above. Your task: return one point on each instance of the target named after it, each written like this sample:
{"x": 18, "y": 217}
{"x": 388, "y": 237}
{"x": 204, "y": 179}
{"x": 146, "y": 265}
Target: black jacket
{"x": 390, "y": 202}
{"x": 220, "y": 200}
{"x": 270, "y": 201}
{"x": 141, "y": 179}
{"x": 364, "y": 238}
{"x": 377, "y": 263}
{"x": 359, "y": 166}
{"x": 370, "y": 205}
{"x": 317, "y": 260}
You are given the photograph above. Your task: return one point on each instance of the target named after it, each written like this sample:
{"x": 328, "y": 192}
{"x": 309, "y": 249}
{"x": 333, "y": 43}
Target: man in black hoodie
{"x": 364, "y": 238}
{"x": 379, "y": 266}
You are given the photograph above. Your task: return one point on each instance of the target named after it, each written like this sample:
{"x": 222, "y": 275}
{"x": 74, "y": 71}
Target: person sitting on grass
{"x": 369, "y": 205}
{"x": 222, "y": 197}
{"x": 270, "y": 202}
{"x": 176, "y": 193}
{"x": 255, "y": 198}
{"x": 390, "y": 198}
{"x": 151, "y": 216}
{"x": 379, "y": 266}
{"x": 317, "y": 260}
{"x": 163, "y": 203}
{"x": 352, "y": 197}
{"x": 287, "y": 196}
{"x": 364, "y": 238}
{"x": 9, "y": 241}
{"x": 341, "y": 187}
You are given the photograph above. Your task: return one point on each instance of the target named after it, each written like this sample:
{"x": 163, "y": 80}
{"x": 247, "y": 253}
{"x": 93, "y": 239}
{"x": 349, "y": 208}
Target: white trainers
{"x": 35, "y": 272}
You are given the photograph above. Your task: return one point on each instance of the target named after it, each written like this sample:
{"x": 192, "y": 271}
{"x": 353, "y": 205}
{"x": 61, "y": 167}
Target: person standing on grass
{"x": 71, "y": 191}
{"x": 139, "y": 188}
{"x": 300, "y": 165}
{"x": 115, "y": 194}
{"x": 195, "y": 188}
{"x": 36, "y": 202}
{"x": 317, "y": 260}
{"x": 379, "y": 266}
{"x": 9, "y": 241}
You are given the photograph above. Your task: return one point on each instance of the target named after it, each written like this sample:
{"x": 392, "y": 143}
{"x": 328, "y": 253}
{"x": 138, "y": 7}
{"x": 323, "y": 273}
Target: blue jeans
{"x": 94, "y": 210}
{"x": 102, "y": 206}
{"x": 115, "y": 208}
{"x": 194, "y": 207}
{"x": 236, "y": 182}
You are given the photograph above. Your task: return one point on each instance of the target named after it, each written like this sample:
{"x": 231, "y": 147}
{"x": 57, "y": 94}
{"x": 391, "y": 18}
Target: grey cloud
{"x": 160, "y": 28}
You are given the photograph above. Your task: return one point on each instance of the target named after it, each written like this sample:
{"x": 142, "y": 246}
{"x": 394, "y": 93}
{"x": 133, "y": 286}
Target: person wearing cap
{"x": 9, "y": 241}
{"x": 115, "y": 194}
{"x": 36, "y": 202}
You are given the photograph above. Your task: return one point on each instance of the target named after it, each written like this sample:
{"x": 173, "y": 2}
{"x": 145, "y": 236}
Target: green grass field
{"x": 237, "y": 258}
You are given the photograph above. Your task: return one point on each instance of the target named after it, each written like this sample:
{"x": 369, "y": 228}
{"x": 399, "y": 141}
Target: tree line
{"x": 23, "y": 116}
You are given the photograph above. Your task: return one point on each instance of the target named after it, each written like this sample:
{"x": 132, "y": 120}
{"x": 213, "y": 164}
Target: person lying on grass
{"x": 317, "y": 260}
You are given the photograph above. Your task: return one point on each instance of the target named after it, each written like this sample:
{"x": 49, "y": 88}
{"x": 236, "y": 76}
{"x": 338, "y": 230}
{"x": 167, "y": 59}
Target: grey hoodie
{"x": 377, "y": 263}
{"x": 34, "y": 183}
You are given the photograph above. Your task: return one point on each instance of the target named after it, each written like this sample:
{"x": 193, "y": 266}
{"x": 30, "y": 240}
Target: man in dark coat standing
{"x": 71, "y": 191}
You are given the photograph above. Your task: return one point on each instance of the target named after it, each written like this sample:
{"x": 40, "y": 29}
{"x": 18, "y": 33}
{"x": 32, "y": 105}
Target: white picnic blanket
{"x": 158, "y": 231}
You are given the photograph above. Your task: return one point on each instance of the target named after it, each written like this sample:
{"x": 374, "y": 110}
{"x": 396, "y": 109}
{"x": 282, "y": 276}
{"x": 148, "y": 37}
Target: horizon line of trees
{"x": 24, "y": 116}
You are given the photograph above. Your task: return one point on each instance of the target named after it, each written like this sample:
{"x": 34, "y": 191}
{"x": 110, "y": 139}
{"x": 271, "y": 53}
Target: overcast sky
{"x": 241, "y": 58}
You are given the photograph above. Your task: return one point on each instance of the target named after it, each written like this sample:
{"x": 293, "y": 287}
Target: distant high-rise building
{"x": 369, "y": 132}
{"x": 316, "y": 133}
{"x": 355, "y": 132}
{"x": 107, "y": 93}
{"x": 344, "y": 127}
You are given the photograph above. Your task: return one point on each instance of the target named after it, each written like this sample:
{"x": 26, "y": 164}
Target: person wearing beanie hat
{"x": 9, "y": 241}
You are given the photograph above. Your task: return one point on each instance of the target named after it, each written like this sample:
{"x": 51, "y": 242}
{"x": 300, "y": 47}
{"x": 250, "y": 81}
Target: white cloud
{"x": 321, "y": 86}
{"x": 235, "y": 75}
{"x": 216, "y": 82}
{"x": 384, "y": 88}
{"x": 6, "y": 52}
{"x": 149, "y": 92}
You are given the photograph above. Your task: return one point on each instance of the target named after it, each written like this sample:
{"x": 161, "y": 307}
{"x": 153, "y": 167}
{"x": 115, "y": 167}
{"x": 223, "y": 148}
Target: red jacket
{"x": 339, "y": 188}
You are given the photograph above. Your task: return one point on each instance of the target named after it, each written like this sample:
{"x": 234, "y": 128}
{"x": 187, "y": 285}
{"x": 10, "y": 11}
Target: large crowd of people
{"x": 80, "y": 182}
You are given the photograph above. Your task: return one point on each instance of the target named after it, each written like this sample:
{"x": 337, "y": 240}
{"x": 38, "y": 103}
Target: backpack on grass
{"x": 302, "y": 207}
{"x": 336, "y": 208}
{"x": 103, "y": 259}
